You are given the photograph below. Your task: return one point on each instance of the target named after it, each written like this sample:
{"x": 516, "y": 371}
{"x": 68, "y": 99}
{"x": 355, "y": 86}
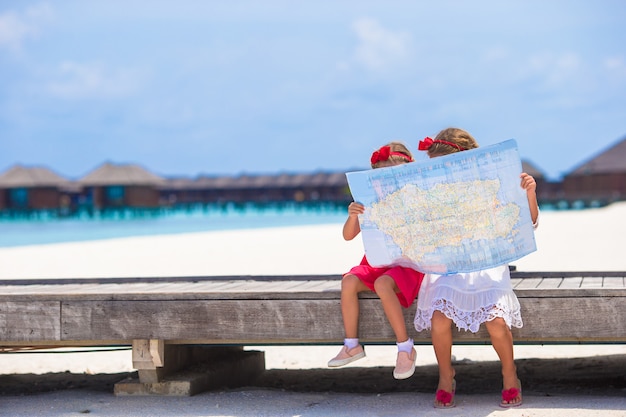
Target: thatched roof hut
{"x": 32, "y": 188}
{"x": 121, "y": 174}
{"x": 282, "y": 187}
{"x": 20, "y": 176}
{"x": 121, "y": 186}
{"x": 609, "y": 161}
{"x": 603, "y": 177}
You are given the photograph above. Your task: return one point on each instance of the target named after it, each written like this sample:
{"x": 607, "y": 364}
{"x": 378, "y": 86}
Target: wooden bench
{"x": 174, "y": 322}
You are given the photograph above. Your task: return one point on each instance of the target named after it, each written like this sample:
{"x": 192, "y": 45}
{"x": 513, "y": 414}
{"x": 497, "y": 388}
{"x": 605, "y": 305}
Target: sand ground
{"x": 557, "y": 381}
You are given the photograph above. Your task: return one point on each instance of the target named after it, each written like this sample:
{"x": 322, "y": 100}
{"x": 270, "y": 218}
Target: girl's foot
{"x": 512, "y": 397}
{"x": 445, "y": 399}
{"x": 346, "y": 356}
{"x": 405, "y": 365}
{"x": 446, "y": 390}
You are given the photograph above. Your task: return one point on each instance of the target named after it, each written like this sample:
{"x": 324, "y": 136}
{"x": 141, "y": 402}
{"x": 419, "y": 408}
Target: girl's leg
{"x": 351, "y": 286}
{"x": 352, "y": 350}
{"x": 441, "y": 334}
{"x": 502, "y": 341}
{"x": 386, "y": 289}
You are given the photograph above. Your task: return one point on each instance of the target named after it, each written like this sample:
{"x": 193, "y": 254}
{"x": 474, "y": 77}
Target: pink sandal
{"x": 511, "y": 394}
{"x": 445, "y": 398}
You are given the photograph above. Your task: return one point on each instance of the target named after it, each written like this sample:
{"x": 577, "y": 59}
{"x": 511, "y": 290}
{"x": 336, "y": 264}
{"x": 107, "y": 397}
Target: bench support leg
{"x": 182, "y": 370}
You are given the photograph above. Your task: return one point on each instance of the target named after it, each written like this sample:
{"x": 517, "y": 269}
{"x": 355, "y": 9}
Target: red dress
{"x": 408, "y": 280}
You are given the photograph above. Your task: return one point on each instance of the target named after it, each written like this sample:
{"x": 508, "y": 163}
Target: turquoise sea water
{"x": 19, "y": 232}
{"x": 46, "y": 229}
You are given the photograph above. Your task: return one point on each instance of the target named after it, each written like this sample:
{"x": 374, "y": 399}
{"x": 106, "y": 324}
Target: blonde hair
{"x": 398, "y": 147}
{"x": 453, "y": 135}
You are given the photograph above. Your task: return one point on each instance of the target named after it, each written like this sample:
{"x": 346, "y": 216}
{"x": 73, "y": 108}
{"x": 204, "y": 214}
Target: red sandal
{"x": 511, "y": 394}
{"x": 445, "y": 398}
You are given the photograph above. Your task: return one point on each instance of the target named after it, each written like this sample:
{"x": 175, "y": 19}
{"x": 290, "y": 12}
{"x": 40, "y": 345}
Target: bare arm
{"x": 351, "y": 227}
{"x": 529, "y": 184}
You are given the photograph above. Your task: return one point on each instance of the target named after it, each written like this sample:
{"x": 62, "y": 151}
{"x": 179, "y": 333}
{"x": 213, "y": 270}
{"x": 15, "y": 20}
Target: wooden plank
{"x": 76, "y": 289}
{"x": 230, "y": 321}
{"x": 566, "y": 274}
{"x": 226, "y": 320}
{"x": 30, "y": 321}
{"x": 160, "y": 288}
{"x": 569, "y": 293}
{"x": 210, "y": 285}
{"x": 591, "y": 282}
{"x": 613, "y": 282}
{"x": 291, "y": 286}
{"x": 23, "y": 289}
{"x": 571, "y": 282}
{"x": 275, "y": 286}
{"x": 188, "y": 287}
{"x": 69, "y": 289}
{"x": 239, "y": 285}
{"x": 316, "y": 286}
{"x": 319, "y": 321}
{"x": 170, "y": 287}
{"x": 324, "y": 286}
{"x": 549, "y": 283}
{"x": 529, "y": 283}
{"x": 573, "y": 319}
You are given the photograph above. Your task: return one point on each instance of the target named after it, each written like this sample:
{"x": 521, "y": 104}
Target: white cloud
{"x": 77, "y": 81}
{"x": 16, "y": 27}
{"x": 496, "y": 54}
{"x": 379, "y": 48}
{"x": 614, "y": 63}
{"x": 13, "y": 30}
{"x": 572, "y": 80}
{"x": 565, "y": 70}
{"x": 616, "y": 66}
{"x": 554, "y": 72}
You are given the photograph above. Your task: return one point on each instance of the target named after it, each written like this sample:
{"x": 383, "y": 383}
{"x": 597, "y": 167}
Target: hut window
{"x": 114, "y": 194}
{"x": 18, "y": 198}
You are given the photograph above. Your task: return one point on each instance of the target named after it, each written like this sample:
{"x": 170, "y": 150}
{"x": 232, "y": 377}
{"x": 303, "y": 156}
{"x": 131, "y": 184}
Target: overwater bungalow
{"x": 600, "y": 180}
{"x": 179, "y": 190}
{"x": 328, "y": 186}
{"x": 120, "y": 186}
{"x": 266, "y": 188}
{"x": 293, "y": 187}
{"x": 25, "y": 188}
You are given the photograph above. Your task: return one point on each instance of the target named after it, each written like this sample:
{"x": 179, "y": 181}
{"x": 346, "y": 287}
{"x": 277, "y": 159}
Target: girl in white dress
{"x": 469, "y": 299}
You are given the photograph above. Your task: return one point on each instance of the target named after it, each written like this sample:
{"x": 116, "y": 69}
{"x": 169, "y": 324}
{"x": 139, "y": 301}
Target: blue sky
{"x": 228, "y": 87}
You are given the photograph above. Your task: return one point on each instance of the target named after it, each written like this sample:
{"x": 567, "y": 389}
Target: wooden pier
{"x": 174, "y": 324}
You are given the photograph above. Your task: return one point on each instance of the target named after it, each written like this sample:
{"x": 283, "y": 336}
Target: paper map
{"x": 456, "y": 213}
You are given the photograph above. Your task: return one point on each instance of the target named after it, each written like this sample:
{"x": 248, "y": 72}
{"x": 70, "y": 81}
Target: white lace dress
{"x": 469, "y": 299}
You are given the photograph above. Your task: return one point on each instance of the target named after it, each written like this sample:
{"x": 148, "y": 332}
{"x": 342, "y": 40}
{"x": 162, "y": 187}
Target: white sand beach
{"x": 587, "y": 240}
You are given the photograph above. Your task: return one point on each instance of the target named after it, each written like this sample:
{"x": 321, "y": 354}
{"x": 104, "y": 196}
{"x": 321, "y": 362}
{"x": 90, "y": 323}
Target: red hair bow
{"x": 425, "y": 144}
{"x": 381, "y": 155}
{"x": 384, "y": 153}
